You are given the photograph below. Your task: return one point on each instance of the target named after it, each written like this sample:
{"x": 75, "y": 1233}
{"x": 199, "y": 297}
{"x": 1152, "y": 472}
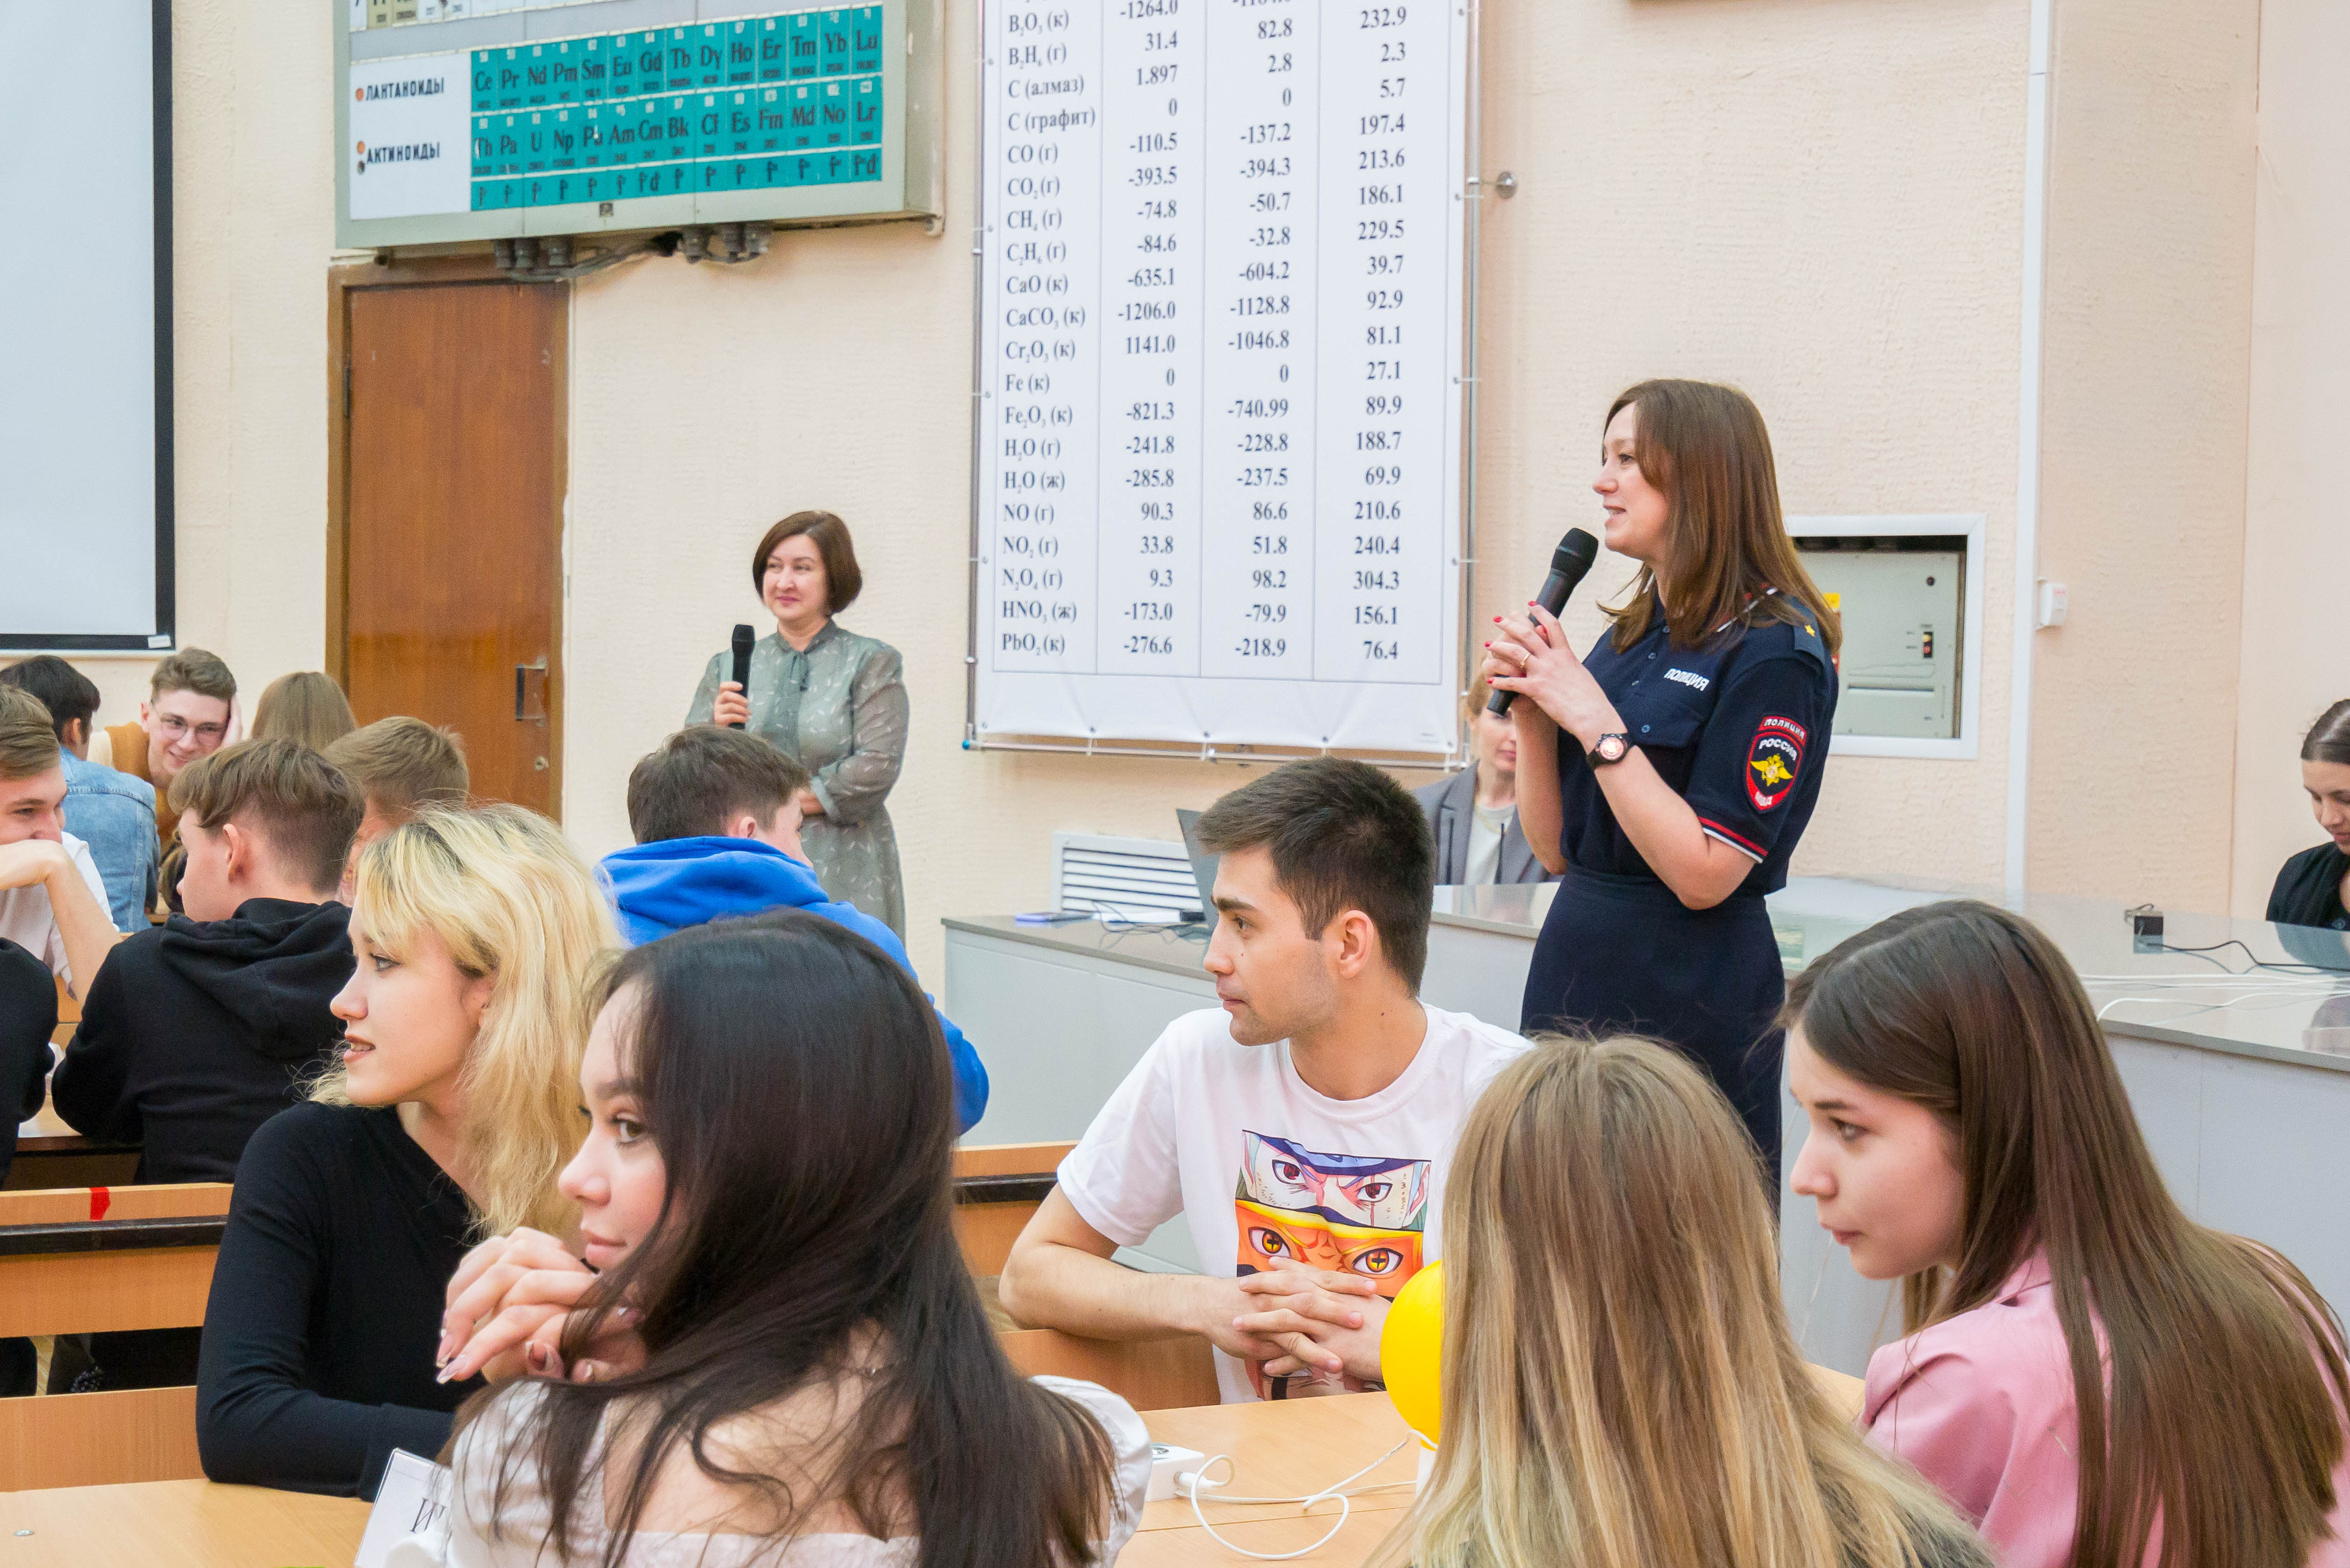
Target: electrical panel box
{"x": 482, "y": 119}
{"x": 1902, "y": 600}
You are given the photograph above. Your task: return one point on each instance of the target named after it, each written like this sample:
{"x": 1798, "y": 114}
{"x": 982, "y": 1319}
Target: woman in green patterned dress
{"x": 828, "y": 697}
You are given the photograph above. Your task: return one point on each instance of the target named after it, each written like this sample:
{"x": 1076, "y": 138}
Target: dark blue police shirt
{"x": 1739, "y": 728}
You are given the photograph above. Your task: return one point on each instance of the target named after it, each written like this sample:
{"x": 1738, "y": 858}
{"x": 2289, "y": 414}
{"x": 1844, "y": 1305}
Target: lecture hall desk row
{"x": 1289, "y": 1447}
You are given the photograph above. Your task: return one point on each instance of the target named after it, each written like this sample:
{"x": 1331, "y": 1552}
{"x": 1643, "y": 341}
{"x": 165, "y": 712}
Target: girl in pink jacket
{"x": 2090, "y": 1376}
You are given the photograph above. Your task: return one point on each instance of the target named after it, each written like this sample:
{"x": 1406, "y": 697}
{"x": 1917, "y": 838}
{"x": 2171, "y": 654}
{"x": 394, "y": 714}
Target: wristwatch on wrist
{"x": 1608, "y": 749}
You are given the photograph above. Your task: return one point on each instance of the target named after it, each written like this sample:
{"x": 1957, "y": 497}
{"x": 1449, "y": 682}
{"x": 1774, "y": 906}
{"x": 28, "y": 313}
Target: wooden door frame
{"x": 343, "y": 279}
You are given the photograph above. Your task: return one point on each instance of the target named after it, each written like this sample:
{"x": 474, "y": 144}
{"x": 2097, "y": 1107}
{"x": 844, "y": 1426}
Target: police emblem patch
{"x": 1773, "y": 762}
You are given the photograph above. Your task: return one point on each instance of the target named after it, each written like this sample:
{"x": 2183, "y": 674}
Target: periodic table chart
{"x": 482, "y": 119}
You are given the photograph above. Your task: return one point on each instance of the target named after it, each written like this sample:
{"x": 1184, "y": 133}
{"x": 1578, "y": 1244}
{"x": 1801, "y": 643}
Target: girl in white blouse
{"x": 765, "y": 1348}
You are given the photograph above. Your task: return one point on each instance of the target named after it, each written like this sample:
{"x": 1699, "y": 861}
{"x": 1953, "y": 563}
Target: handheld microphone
{"x": 1568, "y": 563}
{"x": 744, "y": 637}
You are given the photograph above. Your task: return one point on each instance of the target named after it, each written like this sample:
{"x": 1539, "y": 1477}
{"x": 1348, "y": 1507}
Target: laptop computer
{"x": 1203, "y": 867}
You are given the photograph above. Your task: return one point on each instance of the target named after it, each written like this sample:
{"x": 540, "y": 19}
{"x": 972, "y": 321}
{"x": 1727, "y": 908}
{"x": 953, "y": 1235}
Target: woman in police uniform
{"x": 1669, "y": 776}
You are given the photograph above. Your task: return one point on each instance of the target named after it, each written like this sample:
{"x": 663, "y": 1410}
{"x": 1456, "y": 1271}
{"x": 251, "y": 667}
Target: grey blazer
{"x": 1450, "y": 805}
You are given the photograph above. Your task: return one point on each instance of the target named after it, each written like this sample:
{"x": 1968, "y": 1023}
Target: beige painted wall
{"x": 2149, "y": 331}
{"x": 1824, "y": 212}
{"x": 1820, "y": 200}
{"x": 1821, "y": 203}
{"x": 253, "y": 197}
{"x": 2296, "y": 641}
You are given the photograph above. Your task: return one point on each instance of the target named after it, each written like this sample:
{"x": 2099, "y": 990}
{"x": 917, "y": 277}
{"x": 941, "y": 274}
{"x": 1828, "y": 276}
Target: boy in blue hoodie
{"x": 717, "y": 822}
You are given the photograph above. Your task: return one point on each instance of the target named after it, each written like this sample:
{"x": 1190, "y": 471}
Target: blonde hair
{"x": 1620, "y": 1387}
{"x": 508, "y": 896}
{"x": 305, "y": 706}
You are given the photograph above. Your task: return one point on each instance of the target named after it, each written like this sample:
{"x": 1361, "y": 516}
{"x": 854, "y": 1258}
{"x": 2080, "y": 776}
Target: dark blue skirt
{"x": 1621, "y": 955}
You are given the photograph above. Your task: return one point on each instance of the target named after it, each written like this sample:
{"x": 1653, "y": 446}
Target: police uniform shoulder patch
{"x": 1775, "y": 759}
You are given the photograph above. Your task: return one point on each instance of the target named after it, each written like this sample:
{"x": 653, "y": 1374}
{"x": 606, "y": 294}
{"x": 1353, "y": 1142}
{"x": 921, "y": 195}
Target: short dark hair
{"x": 2328, "y": 740}
{"x": 700, "y": 779}
{"x": 842, "y": 579}
{"x": 65, "y": 692}
{"x": 193, "y": 670}
{"x": 404, "y": 764}
{"x": 298, "y": 802}
{"x": 1343, "y": 835}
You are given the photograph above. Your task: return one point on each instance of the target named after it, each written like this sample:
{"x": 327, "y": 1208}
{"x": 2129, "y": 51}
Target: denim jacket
{"x": 114, "y": 814}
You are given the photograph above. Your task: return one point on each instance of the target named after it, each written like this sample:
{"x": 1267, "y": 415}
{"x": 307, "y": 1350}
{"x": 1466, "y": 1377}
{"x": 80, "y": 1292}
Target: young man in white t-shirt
{"x": 1304, "y": 1129}
{"x": 52, "y": 900}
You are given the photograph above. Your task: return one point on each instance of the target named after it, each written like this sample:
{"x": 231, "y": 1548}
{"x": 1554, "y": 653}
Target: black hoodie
{"x": 28, "y": 1016}
{"x": 196, "y": 1032}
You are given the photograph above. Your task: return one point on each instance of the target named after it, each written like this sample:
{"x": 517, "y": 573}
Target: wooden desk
{"x": 1290, "y": 1447}
{"x": 178, "y": 1524}
{"x": 1282, "y": 1449}
{"x": 51, "y": 1154}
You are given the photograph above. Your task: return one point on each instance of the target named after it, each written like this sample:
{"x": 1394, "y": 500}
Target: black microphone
{"x": 1568, "y": 563}
{"x": 744, "y": 637}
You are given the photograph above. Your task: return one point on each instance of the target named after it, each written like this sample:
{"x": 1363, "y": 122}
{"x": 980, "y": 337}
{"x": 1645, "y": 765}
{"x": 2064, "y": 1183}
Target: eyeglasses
{"x": 178, "y": 729}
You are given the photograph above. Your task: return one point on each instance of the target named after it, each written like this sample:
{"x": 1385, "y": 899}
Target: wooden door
{"x": 454, "y": 510}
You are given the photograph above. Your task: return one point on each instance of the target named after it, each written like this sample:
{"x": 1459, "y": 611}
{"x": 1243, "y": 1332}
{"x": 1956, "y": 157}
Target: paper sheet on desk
{"x": 412, "y": 1511}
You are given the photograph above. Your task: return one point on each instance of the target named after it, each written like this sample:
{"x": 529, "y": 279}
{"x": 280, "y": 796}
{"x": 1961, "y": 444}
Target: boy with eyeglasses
{"x": 190, "y": 709}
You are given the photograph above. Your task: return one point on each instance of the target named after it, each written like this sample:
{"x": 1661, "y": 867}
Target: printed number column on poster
{"x": 1047, "y": 378}
{"x": 1262, "y": 159}
{"x": 1380, "y": 602}
{"x": 1220, "y": 373}
{"x": 1153, "y": 150}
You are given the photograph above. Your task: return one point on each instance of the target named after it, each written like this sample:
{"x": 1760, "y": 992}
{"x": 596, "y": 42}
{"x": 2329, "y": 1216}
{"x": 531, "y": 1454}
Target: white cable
{"x": 1189, "y": 1480}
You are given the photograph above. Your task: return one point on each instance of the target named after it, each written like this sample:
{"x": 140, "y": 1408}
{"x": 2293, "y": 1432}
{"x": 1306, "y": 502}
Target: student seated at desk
{"x": 53, "y": 903}
{"x": 2314, "y": 887}
{"x": 805, "y": 1376}
{"x": 28, "y": 1016}
{"x": 1620, "y": 1386}
{"x": 198, "y": 1031}
{"x": 110, "y": 811}
{"x": 1303, "y": 1131}
{"x": 450, "y": 1117}
{"x": 190, "y": 712}
{"x": 716, "y": 816}
{"x": 402, "y": 766}
{"x": 2090, "y": 1376}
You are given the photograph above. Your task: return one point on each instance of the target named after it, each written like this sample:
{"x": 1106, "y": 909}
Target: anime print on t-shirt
{"x": 1349, "y": 1213}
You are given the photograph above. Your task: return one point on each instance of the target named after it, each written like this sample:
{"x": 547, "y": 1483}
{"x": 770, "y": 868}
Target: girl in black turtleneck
{"x": 2315, "y": 884}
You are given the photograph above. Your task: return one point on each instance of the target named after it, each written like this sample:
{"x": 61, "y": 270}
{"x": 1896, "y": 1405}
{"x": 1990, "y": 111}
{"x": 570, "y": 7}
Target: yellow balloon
{"x": 1411, "y": 1351}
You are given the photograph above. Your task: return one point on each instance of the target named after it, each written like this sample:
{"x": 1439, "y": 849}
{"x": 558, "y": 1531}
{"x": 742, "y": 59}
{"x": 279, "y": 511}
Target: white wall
{"x": 2296, "y": 641}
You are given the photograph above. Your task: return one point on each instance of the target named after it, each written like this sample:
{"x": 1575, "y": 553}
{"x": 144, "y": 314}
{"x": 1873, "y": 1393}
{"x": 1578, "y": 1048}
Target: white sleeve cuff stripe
{"x": 1725, "y": 838}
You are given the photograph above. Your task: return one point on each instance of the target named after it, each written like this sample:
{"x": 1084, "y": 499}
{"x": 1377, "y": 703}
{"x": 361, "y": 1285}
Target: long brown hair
{"x": 798, "y": 1088}
{"x": 305, "y": 706}
{"x": 2210, "y": 1416}
{"x": 1620, "y": 1387}
{"x": 1706, "y": 448}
